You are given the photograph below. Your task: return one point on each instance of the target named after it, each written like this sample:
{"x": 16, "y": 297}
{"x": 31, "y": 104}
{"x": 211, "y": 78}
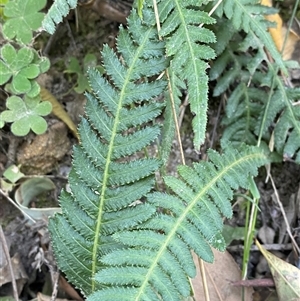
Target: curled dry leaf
{"x": 286, "y": 276}
{"x": 28, "y": 190}
{"x": 278, "y": 35}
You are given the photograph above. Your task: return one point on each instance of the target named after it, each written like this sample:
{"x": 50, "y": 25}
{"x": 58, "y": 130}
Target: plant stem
{"x": 249, "y": 233}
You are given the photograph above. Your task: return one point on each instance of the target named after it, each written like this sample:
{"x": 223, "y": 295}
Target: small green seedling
{"x": 89, "y": 61}
{"x": 10, "y": 177}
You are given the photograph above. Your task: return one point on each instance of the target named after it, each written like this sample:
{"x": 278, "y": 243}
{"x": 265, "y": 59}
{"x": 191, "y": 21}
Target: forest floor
{"x": 50, "y": 155}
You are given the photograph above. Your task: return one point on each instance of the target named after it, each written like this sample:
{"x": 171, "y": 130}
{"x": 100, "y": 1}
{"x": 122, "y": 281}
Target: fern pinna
{"x": 58, "y": 10}
{"x": 249, "y": 16}
{"x": 261, "y": 103}
{"x": 104, "y": 181}
{"x": 187, "y": 46}
{"x": 157, "y": 263}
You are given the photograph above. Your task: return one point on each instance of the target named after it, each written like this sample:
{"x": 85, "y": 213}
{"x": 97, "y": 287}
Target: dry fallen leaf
{"x": 42, "y": 297}
{"x": 278, "y": 34}
{"x": 286, "y": 276}
{"x": 220, "y": 276}
{"x": 58, "y": 111}
{"x": 289, "y": 51}
{"x": 31, "y": 189}
{"x": 266, "y": 234}
{"x": 18, "y": 271}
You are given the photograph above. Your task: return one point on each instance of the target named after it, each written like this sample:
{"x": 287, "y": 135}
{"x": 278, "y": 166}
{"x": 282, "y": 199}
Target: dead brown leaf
{"x": 219, "y": 276}
{"x": 59, "y": 111}
{"x": 278, "y": 35}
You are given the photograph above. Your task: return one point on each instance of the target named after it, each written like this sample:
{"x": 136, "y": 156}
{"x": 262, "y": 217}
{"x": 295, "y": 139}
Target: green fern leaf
{"x": 105, "y": 178}
{"x": 253, "y": 109}
{"x": 157, "y": 261}
{"x": 287, "y": 127}
{"x": 185, "y": 44}
{"x": 249, "y": 16}
{"x": 58, "y": 10}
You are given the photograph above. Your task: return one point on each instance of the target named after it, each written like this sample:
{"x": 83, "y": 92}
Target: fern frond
{"x": 243, "y": 107}
{"x": 58, "y": 10}
{"x": 157, "y": 261}
{"x": 106, "y": 179}
{"x": 257, "y": 99}
{"x": 187, "y": 45}
{"x": 248, "y": 15}
{"x": 282, "y": 102}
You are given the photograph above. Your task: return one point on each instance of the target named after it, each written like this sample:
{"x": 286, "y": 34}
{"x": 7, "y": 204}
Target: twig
{"x": 170, "y": 90}
{"x": 270, "y": 247}
{"x": 212, "y": 11}
{"x": 16, "y": 205}
{"x": 254, "y": 282}
{"x": 215, "y": 126}
{"x": 182, "y": 110}
{"x": 204, "y": 282}
{"x": 217, "y": 290}
{"x": 55, "y": 278}
{"x": 6, "y": 252}
{"x": 288, "y": 229}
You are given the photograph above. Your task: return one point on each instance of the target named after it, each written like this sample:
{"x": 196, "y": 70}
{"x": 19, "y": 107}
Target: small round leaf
{"x": 44, "y": 64}
{"x": 8, "y": 116}
{"x": 20, "y": 127}
{"x": 35, "y": 90}
{"x": 21, "y": 84}
{"x": 5, "y": 73}
{"x": 38, "y": 124}
{"x": 25, "y": 55}
{"x": 15, "y": 103}
{"x": 8, "y": 53}
{"x": 43, "y": 108}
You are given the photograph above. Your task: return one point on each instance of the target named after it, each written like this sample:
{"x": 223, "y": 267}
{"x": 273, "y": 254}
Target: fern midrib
{"x": 169, "y": 238}
{"x": 109, "y": 157}
{"x": 193, "y": 59}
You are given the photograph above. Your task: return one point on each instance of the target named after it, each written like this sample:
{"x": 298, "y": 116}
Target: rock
{"x": 40, "y": 155}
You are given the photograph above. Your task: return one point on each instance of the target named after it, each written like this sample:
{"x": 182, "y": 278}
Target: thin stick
{"x": 215, "y": 126}
{"x": 288, "y": 229}
{"x": 170, "y": 90}
{"x": 182, "y": 109}
{"x": 6, "y": 252}
{"x": 175, "y": 118}
{"x": 214, "y": 284}
{"x": 269, "y": 247}
{"x": 212, "y": 11}
{"x": 204, "y": 282}
{"x": 16, "y": 205}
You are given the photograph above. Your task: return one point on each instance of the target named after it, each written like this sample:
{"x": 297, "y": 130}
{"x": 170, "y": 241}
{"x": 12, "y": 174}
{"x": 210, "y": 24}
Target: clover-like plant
{"x": 23, "y": 17}
{"x": 21, "y": 67}
{"x": 25, "y": 115}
